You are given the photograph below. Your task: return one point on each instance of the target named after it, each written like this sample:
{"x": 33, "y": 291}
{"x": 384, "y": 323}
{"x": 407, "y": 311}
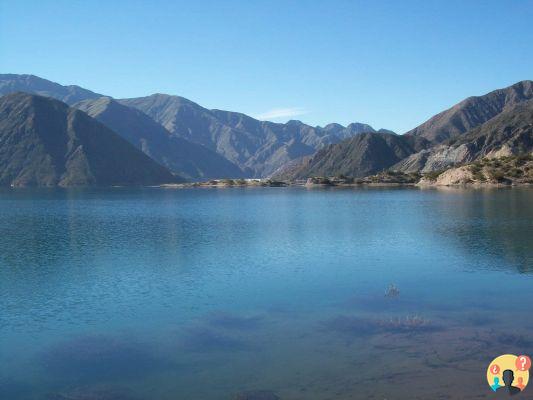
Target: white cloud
{"x": 278, "y": 113}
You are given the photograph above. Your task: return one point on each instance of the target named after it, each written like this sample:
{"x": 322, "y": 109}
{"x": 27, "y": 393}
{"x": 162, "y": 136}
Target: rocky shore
{"x": 502, "y": 171}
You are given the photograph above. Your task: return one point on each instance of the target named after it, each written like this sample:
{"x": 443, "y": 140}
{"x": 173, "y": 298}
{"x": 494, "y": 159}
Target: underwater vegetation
{"x": 392, "y": 291}
{"x": 360, "y": 326}
{"x": 99, "y": 356}
{"x": 227, "y": 320}
{"x": 409, "y": 323}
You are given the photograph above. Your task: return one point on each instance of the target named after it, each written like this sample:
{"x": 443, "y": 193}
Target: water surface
{"x": 214, "y": 293}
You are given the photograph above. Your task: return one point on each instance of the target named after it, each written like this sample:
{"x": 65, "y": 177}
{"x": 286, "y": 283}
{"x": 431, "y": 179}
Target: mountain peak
{"x": 44, "y": 142}
{"x": 472, "y": 112}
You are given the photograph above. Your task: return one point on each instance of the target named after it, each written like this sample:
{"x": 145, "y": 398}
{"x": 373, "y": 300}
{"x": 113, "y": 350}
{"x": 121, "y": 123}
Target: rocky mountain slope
{"x": 258, "y": 147}
{"x": 471, "y": 113}
{"x": 496, "y": 124}
{"x": 185, "y": 158}
{"x": 508, "y": 133}
{"x": 43, "y": 142}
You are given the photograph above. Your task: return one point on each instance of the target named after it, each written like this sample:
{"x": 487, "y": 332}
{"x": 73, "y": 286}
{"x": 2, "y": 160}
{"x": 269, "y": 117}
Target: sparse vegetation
{"x": 384, "y": 177}
{"x": 433, "y": 175}
{"x": 409, "y": 323}
{"x": 477, "y": 172}
{"x": 392, "y": 291}
{"x": 503, "y": 170}
{"x": 507, "y": 169}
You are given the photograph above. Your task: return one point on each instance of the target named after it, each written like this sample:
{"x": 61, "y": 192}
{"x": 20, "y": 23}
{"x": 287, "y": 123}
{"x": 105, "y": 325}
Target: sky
{"x": 392, "y": 64}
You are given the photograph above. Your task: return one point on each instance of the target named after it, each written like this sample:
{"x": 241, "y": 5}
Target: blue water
{"x": 235, "y": 293}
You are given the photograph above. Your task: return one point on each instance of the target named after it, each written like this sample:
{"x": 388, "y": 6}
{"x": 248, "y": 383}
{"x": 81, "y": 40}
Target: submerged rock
{"x": 361, "y": 326}
{"x": 233, "y": 321}
{"x": 515, "y": 340}
{"x": 202, "y": 339}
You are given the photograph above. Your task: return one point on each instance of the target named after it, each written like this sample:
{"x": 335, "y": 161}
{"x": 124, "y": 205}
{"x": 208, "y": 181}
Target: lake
{"x": 261, "y": 293}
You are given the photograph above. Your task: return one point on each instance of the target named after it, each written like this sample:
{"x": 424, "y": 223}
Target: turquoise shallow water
{"x": 213, "y": 293}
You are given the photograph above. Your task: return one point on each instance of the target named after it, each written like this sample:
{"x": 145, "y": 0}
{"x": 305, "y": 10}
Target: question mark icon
{"x": 523, "y": 363}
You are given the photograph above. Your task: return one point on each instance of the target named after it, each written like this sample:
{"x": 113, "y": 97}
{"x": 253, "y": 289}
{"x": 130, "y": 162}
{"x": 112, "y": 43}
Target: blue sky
{"x": 392, "y": 64}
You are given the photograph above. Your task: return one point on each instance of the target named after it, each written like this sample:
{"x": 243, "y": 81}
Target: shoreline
{"x": 423, "y": 185}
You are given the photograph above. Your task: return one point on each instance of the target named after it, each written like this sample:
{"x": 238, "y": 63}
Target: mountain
{"x": 508, "y": 133}
{"x": 44, "y": 142}
{"x": 359, "y": 156}
{"x": 188, "y": 159}
{"x": 257, "y": 147}
{"x": 471, "y": 113}
{"x": 11, "y": 83}
{"x": 498, "y": 123}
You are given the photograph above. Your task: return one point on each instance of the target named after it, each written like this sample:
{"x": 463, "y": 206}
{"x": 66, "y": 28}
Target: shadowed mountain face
{"x": 258, "y": 147}
{"x": 43, "y": 142}
{"x": 185, "y": 158}
{"x": 11, "y": 83}
{"x": 471, "y": 113}
{"x": 362, "y": 155}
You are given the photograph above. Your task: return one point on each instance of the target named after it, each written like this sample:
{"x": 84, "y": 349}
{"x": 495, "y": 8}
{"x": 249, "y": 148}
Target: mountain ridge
{"x": 188, "y": 159}
{"x": 44, "y": 142}
{"x": 69, "y": 94}
{"x": 471, "y": 112}
{"x": 498, "y": 123}
{"x": 259, "y": 147}
{"x": 264, "y": 148}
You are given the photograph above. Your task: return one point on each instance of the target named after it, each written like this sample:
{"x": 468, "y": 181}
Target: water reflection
{"x": 494, "y": 222}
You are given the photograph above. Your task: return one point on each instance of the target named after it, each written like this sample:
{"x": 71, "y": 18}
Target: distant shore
{"x": 500, "y": 172}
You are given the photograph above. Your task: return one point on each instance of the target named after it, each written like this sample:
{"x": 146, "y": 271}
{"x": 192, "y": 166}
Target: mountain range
{"x": 495, "y": 124}
{"x": 181, "y": 156}
{"x": 257, "y": 147}
{"x": 183, "y": 140}
{"x": 247, "y": 147}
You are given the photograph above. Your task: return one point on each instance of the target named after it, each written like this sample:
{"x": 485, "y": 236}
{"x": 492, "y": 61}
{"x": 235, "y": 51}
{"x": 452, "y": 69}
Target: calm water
{"x": 210, "y": 294}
